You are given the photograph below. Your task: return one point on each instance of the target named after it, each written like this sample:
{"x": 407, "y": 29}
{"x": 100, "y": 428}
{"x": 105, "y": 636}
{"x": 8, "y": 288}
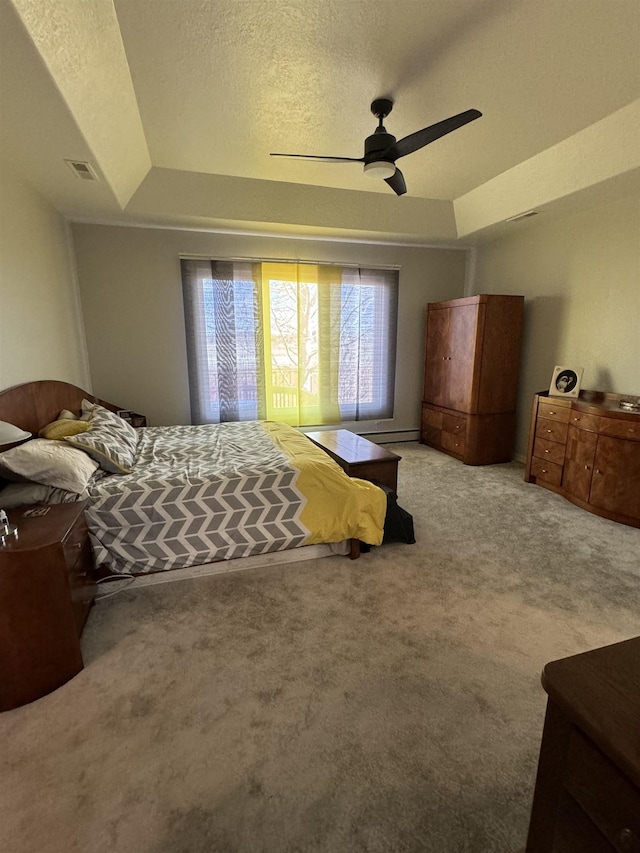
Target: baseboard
{"x": 393, "y": 436}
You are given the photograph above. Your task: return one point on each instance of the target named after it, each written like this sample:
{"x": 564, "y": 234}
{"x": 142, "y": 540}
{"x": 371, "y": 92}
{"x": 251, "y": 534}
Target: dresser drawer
{"x": 81, "y": 572}
{"x": 551, "y": 451}
{"x": 610, "y": 800}
{"x": 575, "y": 832}
{"x": 553, "y": 412}
{"x": 585, "y": 421}
{"x": 621, "y": 428}
{"x": 454, "y": 424}
{"x": 548, "y": 472}
{"x": 453, "y": 442}
{"x": 551, "y": 430}
{"x": 432, "y": 418}
{"x": 78, "y": 559}
{"x": 432, "y": 435}
{"x": 75, "y": 541}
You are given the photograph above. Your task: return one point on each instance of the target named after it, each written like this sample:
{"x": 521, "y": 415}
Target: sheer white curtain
{"x": 304, "y": 343}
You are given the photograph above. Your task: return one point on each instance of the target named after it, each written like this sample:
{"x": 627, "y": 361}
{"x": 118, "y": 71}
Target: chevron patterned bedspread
{"x": 198, "y": 494}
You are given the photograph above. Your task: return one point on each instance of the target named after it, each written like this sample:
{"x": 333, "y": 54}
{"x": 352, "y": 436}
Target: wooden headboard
{"x": 35, "y": 404}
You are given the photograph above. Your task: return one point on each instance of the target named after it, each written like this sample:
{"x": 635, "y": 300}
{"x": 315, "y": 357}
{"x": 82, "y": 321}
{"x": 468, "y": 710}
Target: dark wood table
{"x": 358, "y": 456}
{"x": 587, "y": 794}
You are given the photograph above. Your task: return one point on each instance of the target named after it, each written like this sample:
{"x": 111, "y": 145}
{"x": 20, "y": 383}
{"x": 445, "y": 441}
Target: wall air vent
{"x": 524, "y": 215}
{"x": 83, "y": 170}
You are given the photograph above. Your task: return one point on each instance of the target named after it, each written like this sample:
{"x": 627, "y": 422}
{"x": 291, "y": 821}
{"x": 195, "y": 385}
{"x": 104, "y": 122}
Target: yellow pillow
{"x": 63, "y": 427}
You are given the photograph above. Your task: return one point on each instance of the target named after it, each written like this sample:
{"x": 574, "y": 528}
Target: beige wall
{"x": 580, "y": 276}
{"x": 132, "y": 301}
{"x": 41, "y": 333}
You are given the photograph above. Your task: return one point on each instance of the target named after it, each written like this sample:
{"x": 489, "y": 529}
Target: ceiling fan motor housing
{"x": 377, "y": 144}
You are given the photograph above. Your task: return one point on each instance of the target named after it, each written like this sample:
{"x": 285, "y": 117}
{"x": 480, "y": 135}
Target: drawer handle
{"x": 548, "y": 430}
{"x": 546, "y": 451}
{"x": 544, "y": 471}
{"x": 627, "y": 838}
{"x": 458, "y": 426}
{"x": 586, "y": 468}
{"x": 552, "y": 413}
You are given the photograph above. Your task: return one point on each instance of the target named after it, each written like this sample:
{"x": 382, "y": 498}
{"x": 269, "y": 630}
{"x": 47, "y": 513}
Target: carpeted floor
{"x": 384, "y": 705}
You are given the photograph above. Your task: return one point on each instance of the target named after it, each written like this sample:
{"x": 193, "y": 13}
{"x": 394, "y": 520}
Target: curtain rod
{"x": 192, "y": 257}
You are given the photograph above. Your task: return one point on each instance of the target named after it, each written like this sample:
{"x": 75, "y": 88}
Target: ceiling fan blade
{"x": 423, "y": 137}
{"x": 321, "y": 157}
{"x": 396, "y": 182}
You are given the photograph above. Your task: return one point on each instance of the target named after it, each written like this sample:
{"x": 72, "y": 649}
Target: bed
{"x": 189, "y": 495}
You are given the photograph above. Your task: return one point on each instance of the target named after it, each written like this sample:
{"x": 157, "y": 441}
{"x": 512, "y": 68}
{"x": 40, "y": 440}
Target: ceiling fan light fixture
{"x": 380, "y": 169}
{"x": 380, "y": 145}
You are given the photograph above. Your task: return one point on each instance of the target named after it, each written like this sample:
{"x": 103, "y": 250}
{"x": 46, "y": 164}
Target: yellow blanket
{"x": 337, "y": 506}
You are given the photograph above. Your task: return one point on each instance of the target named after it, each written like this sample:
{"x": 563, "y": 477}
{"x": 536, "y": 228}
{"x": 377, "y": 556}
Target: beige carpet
{"x": 387, "y": 704}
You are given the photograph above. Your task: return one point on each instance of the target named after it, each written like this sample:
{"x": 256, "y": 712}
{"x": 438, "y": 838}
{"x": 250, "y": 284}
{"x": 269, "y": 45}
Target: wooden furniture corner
{"x": 587, "y": 793}
{"x": 46, "y": 590}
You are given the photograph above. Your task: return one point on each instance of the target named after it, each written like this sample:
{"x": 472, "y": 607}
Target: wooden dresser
{"x": 472, "y": 359}
{"x": 46, "y": 591}
{"x": 587, "y": 794}
{"x": 588, "y": 450}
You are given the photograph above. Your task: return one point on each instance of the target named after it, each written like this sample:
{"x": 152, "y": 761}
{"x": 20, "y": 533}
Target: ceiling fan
{"x": 381, "y": 150}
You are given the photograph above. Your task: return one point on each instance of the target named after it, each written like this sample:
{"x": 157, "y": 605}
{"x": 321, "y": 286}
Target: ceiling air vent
{"x": 81, "y": 169}
{"x": 524, "y": 215}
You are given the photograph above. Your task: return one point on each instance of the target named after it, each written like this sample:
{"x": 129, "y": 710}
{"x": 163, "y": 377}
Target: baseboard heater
{"x": 392, "y": 436}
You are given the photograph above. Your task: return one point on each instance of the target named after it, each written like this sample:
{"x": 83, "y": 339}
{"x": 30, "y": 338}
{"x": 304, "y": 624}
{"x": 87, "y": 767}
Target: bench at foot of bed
{"x": 359, "y": 457}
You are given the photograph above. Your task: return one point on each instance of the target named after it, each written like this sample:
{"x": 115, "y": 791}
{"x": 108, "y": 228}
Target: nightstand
{"x": 587, "y": 795}
{"x": 46, "y": 590}
{"x": 134, "y": 418}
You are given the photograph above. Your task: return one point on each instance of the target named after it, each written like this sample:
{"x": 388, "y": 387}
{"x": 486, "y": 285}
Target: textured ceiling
{"x": 221, "y": 85}
{"x": 172, "y": 98}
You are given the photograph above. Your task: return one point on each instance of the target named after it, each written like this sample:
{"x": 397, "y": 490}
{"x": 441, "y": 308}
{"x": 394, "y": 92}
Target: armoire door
{"x": 461, "y": 358}
{"x": 450, "y": 352}
{"x": 437, "y": 347}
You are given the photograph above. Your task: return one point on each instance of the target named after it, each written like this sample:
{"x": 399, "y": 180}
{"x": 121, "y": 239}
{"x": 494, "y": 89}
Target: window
{"x": 308, "y": 344}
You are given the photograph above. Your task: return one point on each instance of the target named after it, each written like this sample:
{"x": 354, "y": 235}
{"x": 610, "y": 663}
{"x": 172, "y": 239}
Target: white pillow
{"x": 22, "y": 494}
{"x": 49, "y": 462}
{"x": 67, "y": 415}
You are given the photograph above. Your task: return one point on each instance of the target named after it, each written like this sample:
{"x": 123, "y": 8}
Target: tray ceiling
{"x": 173, "y": 100}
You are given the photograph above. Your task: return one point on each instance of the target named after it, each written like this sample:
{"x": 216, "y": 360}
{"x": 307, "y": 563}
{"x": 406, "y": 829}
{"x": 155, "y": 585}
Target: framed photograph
{"x": 565, "y": 381}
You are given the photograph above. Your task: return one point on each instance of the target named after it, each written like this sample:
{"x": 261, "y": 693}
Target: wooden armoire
{"x": 472, "y": 362}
